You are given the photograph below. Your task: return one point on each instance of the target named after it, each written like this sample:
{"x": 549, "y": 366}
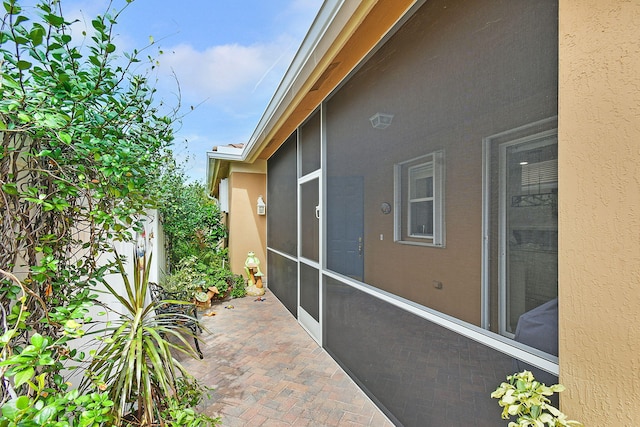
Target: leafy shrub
{"x": 84, "y": 146}
{"x": 528, "y": 400}
{"x": 192, "y": 222}
{"x": 239, "y": 289}
{"x": 62, "y": 409}
{"x": 193, "y": 274}
{"x": 185, "y": 280}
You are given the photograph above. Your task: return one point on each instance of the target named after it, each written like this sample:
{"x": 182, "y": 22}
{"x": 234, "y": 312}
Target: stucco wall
{"x": 599, "y": 212}
{"x": 247, "y": 229}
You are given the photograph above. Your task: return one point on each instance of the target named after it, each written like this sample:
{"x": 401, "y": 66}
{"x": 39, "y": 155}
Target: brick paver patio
{"x": 267, "y": 371}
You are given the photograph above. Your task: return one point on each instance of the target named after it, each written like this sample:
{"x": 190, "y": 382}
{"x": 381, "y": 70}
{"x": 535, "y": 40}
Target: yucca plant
{"x": 135, "y": 363}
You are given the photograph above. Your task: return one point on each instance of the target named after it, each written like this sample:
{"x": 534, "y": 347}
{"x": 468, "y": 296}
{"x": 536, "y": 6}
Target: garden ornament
{"x": 252, "y": 268}
{"x": 254, "y": 275}
{"x": 141, "y": 249}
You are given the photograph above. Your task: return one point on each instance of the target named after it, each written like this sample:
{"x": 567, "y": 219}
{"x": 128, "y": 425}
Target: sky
{"x": 226, "y": 57}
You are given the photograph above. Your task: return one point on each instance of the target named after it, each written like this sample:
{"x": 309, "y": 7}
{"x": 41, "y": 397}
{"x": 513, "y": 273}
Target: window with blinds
{"x": 540, "y": 175}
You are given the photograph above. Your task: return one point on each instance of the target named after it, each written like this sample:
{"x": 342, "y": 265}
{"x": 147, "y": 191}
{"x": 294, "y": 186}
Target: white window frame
{"x": 415, "y": 173}
{"x": 223, "y": 195}
{"x": 402, "y": 211}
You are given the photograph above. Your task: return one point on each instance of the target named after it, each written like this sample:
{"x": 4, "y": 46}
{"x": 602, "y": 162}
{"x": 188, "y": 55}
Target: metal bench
{"x": 188, "y": 312}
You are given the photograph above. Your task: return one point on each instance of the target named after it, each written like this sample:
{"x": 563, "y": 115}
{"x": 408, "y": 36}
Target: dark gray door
{"x": 345, "y": 226}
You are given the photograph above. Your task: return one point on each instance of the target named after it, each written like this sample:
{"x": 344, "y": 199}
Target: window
{"x": 419, "y": 200}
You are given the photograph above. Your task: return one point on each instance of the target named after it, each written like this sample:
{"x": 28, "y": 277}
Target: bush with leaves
{"x": 82, "y": 147}
{"x": 84, "y": 144}
{"x": 38, "y": 392}
{"x": 185, "y": 280}
{"x": 211, "y": 269}
{"x": 192, "y": 222}
{"x": 528, "y": 400}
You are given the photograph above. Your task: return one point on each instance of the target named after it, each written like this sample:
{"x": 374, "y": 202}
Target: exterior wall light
{"x": 381, "y": 120}
{"x": 261, "y": 207}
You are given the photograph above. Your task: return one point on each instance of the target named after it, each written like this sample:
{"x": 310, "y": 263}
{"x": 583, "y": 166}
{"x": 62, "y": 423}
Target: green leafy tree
{"x": 192, "y": 222}
{"x": 82, "y": 139}
{"x": 84, "y": 144}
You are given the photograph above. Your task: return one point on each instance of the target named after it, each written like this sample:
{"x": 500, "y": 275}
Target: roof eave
{"x": 301, "y": 68}
{"x": 334, "y": 24}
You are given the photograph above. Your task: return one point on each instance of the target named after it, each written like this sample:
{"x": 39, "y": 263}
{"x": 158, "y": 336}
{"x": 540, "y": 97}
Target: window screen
{"x": 282, "y": 193}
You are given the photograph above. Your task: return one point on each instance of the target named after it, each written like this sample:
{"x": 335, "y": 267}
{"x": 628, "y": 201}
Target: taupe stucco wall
{"x": 247, "y": 229}
{"x": 599, "y": 211}
{"x": 455, "y": 73}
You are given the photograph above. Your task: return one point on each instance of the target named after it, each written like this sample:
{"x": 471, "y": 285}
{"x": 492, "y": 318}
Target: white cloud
{"x": 229, "y": 75}
{"x": 233, "y": 82}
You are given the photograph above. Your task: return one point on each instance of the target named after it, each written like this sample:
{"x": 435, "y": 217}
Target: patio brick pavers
{"x": 267, "y": 371}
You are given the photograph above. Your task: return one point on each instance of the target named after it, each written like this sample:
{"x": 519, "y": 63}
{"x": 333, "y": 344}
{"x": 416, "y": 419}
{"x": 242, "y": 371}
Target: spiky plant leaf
{"x": 136, "y": 363}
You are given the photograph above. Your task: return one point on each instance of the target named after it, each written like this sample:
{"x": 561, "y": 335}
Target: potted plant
{"x": 135, "y": 364}
{"x": 528, "y": 400}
